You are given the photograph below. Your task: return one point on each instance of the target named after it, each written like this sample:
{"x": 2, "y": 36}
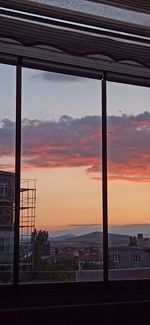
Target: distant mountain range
{"x": 93, "y": 237}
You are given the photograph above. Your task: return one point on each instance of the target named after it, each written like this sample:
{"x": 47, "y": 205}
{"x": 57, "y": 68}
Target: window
{"x": 61, "y": 189}
{"x": 2, "y": 247}
{"x": 5, "y": 245}
{"x": 116, "y": 258}
{"x": 7, "y": 169}
{"x": 136, "y": 258}
{"x": 61, "y": 152}
{"x": 3, "y": 189}
{"x": 62, "y": 197}
{"x": 128, "y": 173}
{"x": 8, "y": 244}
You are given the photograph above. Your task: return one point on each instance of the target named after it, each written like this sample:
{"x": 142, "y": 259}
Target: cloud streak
{"x": 84, "y": 225}
{"x": 70, "y": 142}
{"x": 57, "y": 77}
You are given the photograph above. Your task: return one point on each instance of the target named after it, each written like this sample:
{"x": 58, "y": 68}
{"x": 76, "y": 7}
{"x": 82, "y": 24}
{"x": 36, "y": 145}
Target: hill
{"x": 97, "y": 237}
{"x": 91, "y": 239}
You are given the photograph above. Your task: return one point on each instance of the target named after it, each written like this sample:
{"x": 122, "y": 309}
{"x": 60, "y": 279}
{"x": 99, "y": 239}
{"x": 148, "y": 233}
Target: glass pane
{"x": 61, "y": 175}
{"x": 7, "y": 170}
{"x": 129, "y": 181}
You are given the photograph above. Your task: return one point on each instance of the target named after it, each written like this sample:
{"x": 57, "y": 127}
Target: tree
{"x": 40, "y": 247}
{"x": 133, "y": 241}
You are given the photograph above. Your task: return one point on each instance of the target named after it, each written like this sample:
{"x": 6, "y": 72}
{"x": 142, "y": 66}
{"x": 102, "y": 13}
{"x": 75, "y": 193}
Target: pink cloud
{"x": 72, "y": 142}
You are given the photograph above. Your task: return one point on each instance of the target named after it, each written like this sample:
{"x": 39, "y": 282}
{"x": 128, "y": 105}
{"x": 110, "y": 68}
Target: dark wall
{"x": 111, "y": 305}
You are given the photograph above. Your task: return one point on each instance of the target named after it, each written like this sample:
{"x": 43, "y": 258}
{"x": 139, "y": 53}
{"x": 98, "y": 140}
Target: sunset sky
{"x": 61, "y": 148}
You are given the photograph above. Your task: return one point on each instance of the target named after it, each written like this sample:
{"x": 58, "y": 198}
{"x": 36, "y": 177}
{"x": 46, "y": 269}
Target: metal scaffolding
{"x": 27, "y": 221}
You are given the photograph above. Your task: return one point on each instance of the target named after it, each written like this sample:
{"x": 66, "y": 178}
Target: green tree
{"x": 40, "y": 247}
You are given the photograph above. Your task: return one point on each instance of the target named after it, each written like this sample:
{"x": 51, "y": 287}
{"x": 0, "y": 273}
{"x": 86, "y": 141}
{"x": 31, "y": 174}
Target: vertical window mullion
{"x": 17, "y": 177}
{"x": 104, "y": 180}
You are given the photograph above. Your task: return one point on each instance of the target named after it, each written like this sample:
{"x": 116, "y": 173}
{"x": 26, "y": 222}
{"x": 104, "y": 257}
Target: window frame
{"x": 103, "y": 77}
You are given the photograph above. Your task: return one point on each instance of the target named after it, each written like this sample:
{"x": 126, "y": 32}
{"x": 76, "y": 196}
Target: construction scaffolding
{"x": 27, "y": 221}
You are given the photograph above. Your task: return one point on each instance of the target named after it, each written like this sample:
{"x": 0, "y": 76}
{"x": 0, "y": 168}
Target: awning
{"x": 72, "y": 45}
{"x": 75, "y": 42}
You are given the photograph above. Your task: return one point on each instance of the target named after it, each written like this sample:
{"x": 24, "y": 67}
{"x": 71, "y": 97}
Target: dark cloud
{"x": 131, "y": 229}
{"x": 85, "y": 225}
{"x": 57, "y": 77}
{"x": 7, "y": 138}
